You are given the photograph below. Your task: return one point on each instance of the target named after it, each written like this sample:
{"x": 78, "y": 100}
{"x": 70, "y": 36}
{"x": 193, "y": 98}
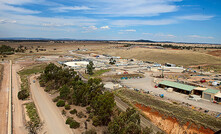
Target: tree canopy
{"x": 73, "y": 90}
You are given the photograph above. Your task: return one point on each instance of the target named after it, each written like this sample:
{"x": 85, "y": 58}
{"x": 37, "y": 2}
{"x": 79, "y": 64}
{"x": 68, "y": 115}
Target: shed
{"x": 199, "y": 91}
{"x": 218, "y": 97}
{"x": 209, "y": 94}
{"x": 178, "y": 87}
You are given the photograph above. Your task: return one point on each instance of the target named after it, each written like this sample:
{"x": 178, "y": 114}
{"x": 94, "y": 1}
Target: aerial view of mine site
{"x": 110, "y": 67}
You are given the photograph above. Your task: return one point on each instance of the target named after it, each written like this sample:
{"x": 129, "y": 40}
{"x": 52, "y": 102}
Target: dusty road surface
{"x": 143, "y": 121}
{"x": 147, "y": 85}
{"x": 4, "y": 99}
{"x": 52, "y": 118}
{"x": 18, "y": 115}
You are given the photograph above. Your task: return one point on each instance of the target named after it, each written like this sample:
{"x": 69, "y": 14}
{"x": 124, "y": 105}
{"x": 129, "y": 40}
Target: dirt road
{"x": 18, "y": 114}
{"x": 143, "y": 121}
{"x": 52, "y": 118}
{"x": 147, "y": 85}
{"x": 4, "y": 99}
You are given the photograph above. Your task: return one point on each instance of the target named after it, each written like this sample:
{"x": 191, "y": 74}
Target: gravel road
{"x": 50, "y": 114}
{"x": 4, "y": 99}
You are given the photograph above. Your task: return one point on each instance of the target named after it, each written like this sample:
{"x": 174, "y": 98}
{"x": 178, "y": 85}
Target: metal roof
{"x": 200, "y": 88}
{"x": 212, "y": 91}
{"x": 218, "y": 95}
{"x": 177, "y": 85}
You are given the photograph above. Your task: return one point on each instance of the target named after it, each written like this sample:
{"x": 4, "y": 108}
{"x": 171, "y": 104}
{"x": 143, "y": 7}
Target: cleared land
{"x": 179, "y": 57}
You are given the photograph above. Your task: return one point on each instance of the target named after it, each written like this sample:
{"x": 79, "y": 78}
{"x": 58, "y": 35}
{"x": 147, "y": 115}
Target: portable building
{"x": 217, "y": 97}
{"x": 209, "y": 94}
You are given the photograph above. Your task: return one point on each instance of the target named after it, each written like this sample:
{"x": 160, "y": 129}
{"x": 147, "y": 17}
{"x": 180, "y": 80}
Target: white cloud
{"x": 105, "y": 27}
{"x": 165, "y": 35}
{"x": 69, "y": 8}
{"x": 200, "y": 37}
{"x": 147, "y": 33}
{"x": 129, "y": 30}
{"x": 134, "y": 8}
{"x": 18, "y": 2}
{"x": 196, "y": 17}
{"x": 143, "y": 22}
{"x": 49, "y": 21}
{"x": 10, "y": 8}
{"x": 2, "y": 21}
{"x": 89, "y": 29}
{"x": 160, "y": 35}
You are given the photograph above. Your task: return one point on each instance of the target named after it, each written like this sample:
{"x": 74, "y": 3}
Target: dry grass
{"x": 179, "y": 57}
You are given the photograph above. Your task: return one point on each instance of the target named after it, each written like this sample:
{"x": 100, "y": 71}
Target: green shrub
{"x": 23, "y": 94}
{"x": 147, "y": 130}
{"x": 91, "y": 131}
{"x": 60, "y": 103}
{"x": 56, "y": 99}
{"x": 88, "y": 119}
{"x": 91, "y": 115}
{"x": 63, "y": 112}
{"x": 74, "y": 124}
{"x": 67, "y": 107}
{"x": 69, "y": 120}
{"x": 96, "y": 121}
{"x": 88, "y": 109}
{"x": 80, "y": 115}
{"x": 74, "y": 111}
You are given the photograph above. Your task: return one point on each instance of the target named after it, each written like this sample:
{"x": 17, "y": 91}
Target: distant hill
{"x": 144, "y": 41}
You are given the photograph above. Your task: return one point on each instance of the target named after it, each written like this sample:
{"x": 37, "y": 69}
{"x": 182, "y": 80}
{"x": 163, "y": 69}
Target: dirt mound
{"x": 170, "y": 124}
{"x": 215, "y": 53}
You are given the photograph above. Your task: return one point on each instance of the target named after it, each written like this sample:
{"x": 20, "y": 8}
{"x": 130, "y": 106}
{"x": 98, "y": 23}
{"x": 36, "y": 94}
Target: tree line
{"x": 74, "y": 91}
{"x": 6, "y": 50}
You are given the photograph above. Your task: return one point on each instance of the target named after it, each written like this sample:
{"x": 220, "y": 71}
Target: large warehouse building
{"x": 205, "y": 93}
{"x": 177, "y": 87}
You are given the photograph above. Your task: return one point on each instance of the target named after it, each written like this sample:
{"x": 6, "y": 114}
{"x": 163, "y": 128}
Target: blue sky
{"x": 159, "y": 20}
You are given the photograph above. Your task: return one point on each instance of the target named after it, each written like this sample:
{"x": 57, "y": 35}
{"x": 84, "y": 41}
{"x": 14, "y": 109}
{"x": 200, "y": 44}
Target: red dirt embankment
{"x": 171, "y": 125}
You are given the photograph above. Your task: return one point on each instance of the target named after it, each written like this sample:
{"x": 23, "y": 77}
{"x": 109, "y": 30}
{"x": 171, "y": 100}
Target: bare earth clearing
{"x": 179, "y": 57}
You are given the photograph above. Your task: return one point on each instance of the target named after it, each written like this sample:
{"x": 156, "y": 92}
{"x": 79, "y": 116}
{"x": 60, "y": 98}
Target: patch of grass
{"x": 32, "y": 112}
{"x": 28, "y": 71}
{"x": 181, "y": 113}
{"x": 97, "y": 73}
{"x": 33, "y": 69}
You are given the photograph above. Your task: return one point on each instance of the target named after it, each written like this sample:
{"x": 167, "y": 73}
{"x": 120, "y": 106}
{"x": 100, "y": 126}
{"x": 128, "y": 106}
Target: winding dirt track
{"x": 4, "y": 99}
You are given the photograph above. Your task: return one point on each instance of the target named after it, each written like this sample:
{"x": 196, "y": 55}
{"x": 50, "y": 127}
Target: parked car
{"x": 194, "y": 97}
